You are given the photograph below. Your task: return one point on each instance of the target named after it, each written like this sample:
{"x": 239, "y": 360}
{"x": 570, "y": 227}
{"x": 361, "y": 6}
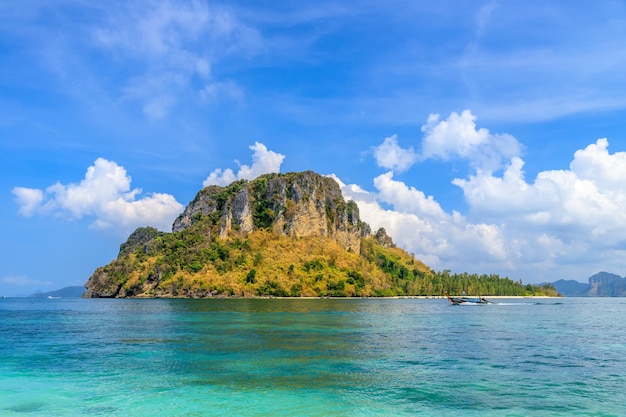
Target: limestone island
{"x": 279, "y": 235}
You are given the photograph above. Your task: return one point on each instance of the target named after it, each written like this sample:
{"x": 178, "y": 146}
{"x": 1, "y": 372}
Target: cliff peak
{"x": 293, "y": 204}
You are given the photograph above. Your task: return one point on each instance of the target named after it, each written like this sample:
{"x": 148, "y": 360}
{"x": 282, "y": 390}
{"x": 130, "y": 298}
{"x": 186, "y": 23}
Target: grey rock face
{"x": 293, "y": 204}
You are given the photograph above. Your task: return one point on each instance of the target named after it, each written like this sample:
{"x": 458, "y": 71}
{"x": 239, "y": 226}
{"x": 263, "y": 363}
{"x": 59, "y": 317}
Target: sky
{"x": 486, "y": 137}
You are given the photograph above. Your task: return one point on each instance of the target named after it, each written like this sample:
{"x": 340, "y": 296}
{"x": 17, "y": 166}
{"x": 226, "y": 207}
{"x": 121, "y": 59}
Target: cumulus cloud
{"x": 588, "y": 200}
{"x": 264, "y": 161}
{"x": 561, "y": 222}
{"x": 29, "y": 200}
{"x": 458, "y": 137}
{"x": 419, "y": 224}
{"x": 391, "y": 156}
{"x": 594, "y": 163}
{"x": 105, "y": 195}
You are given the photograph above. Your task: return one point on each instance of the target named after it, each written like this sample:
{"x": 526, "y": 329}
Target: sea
{"x": 312, "y": 357}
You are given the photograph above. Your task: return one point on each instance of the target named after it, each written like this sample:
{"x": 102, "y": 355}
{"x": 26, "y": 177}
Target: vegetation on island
{"x": 201, "y": 261}
{"x": 190, "y": 264}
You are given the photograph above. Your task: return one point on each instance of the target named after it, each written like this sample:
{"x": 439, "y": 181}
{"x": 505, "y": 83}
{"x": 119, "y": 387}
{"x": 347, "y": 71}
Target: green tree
{"x": 251, "y": 276}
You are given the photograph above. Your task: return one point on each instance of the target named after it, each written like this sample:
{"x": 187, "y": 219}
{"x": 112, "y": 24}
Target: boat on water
{"x": 467, "y": 300}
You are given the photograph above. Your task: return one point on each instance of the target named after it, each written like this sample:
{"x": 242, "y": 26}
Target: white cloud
{"x": 391, "y": 156}
{"x": 264, "y": 161}
{"x": 594, "y": 163}
{"x": 173, "y": 47}
{"x": 586, "y": 202}
{"x": 104, "y": 194}
{"x": 457, "y": 137}
{"x": 564, "y": 224}
{"x": 419, "y": 224}
{"x": 407, "y": 199}
{"x": 29, "y": 200}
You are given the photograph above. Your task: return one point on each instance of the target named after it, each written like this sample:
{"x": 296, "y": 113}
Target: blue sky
{"x": 486, "y": 137}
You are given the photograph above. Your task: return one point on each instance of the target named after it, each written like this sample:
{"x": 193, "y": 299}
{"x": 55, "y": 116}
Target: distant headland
{"x": 602, "y": 284}
{"x": 66, "y": 292}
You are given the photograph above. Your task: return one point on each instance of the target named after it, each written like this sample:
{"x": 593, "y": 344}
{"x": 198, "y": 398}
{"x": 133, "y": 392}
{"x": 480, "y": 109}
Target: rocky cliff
{"x": 280, "y": 234}
{"x": 296, "y": 205}
{"x": 602, "y": 284}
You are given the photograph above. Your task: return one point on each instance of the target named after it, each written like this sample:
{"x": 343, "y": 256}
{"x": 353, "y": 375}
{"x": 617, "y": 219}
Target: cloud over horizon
{"x": 104, "y": 195}
{"x": 561, "y": 217}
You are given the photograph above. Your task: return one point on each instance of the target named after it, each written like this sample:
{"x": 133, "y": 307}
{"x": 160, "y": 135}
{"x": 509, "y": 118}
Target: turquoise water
{"x": 283, "y": 357}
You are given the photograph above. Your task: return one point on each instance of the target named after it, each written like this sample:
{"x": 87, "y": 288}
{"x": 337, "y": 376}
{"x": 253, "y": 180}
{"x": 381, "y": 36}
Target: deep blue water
{"x": 284, "y": 357}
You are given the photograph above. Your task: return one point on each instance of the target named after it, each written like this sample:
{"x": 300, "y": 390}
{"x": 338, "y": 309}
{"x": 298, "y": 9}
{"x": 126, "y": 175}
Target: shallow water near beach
{"x": 313, "y": 357}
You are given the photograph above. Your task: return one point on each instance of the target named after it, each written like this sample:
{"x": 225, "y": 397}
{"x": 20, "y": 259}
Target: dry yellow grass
{"x": 265, "y": 263}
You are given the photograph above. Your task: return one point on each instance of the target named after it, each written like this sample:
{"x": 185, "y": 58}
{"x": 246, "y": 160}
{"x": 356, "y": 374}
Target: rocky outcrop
{"x": 294, "y": 204}
{"x": 139, "y": 238}
{"x": 384, "y": 239}
{"x": 604, "y": 284}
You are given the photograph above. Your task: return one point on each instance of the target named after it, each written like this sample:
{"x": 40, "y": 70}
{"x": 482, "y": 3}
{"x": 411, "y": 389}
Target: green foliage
{"x": 313, "y": 265}
{"x": 272, "y": 288}
{"x": 251, "y": 277}
{"x": 263, "y": 213}
{"x": 356, "y": 278}
{"x": 195, "y": 266}
{"x": 296, "y": 290}
{"x": 138, "y": 240}
{"x": 336, "y": 289}
{"x": 475, "y": 284}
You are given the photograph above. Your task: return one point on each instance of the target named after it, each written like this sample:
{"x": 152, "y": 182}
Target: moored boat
{"x": 467, "y": 300}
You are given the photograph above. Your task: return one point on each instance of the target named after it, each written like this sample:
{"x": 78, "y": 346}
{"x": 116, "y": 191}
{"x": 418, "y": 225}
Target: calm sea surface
{"x": 279, "y": 357}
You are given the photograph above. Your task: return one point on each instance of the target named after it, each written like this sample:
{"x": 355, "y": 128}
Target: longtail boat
{"x": 466, "y": 300}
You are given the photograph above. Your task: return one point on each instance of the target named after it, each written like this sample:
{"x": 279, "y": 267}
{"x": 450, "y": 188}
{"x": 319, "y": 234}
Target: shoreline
{"x": 418, "y": 297}
{"x": 400, "y": 297}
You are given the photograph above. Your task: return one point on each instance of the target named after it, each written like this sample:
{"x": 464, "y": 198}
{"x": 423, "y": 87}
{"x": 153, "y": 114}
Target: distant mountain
{"x": 571, "y": 288}
{"x": 602, "y": 284}
{"x": 67, "y": 292}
